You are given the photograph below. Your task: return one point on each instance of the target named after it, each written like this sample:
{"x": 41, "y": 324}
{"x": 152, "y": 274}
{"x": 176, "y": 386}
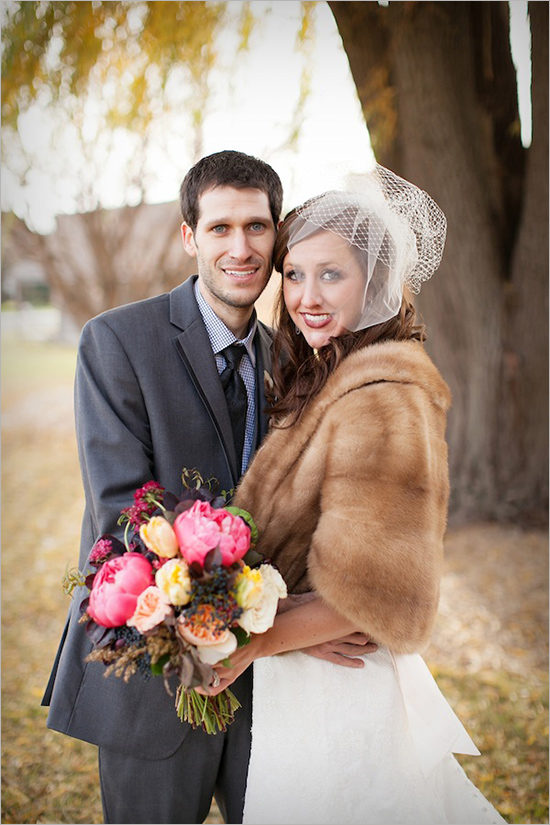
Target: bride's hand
{"x": 240, "y": 660}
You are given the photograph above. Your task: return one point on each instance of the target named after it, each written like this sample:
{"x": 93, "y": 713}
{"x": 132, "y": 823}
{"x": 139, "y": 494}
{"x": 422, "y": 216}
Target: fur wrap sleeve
{"x": 352, "y": 500}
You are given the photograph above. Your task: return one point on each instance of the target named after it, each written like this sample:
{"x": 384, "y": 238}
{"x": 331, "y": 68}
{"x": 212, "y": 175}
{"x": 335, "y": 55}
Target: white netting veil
{"x": 398, "y": 231}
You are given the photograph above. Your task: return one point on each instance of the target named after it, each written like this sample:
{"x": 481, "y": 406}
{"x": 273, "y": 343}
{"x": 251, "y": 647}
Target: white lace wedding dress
{"x": 371, "y": 745}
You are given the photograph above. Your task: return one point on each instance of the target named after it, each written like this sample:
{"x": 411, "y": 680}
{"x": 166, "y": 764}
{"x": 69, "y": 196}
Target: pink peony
{"x": 202, "y": 528}
{"x": 116, "y": 587}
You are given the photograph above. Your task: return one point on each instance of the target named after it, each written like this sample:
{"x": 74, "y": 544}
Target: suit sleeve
{"x": 376, "y": 553}
{"x": 112, "y": 427}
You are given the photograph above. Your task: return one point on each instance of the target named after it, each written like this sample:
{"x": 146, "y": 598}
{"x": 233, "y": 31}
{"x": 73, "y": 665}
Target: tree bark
{"x": 450, "y": 90}
{"x": 367, "y": 42}
{"x": 523, "y": 430}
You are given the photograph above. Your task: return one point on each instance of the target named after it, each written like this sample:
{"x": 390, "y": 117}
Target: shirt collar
{"x": 220, "y": 336}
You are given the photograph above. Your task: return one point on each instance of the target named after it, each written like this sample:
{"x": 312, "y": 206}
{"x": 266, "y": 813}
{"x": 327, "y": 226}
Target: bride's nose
{"x": 311, "y": 295}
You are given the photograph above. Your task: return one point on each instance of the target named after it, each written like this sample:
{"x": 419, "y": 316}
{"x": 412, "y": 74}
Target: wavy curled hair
{"x": 299, "y": 372}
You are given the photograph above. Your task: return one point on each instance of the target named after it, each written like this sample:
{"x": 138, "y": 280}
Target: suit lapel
{"x": 195, "y": 351}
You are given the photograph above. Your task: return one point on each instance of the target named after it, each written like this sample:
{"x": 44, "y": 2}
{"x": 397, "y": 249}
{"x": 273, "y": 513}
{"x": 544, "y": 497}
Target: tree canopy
{"x": 136, "y": 67}
{"x": 131, "y": 85}
{"x": 56, "y": 51}
{"x": 105, "y": 76}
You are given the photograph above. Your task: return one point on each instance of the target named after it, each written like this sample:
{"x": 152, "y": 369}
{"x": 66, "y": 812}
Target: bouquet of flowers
{"x": 180, "y": 593}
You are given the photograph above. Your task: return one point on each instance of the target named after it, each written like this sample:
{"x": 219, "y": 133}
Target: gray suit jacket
{"x": 148, "y": 402}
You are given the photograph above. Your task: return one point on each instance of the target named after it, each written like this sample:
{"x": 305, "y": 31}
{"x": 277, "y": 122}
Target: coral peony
{"x": 115, "y": 589}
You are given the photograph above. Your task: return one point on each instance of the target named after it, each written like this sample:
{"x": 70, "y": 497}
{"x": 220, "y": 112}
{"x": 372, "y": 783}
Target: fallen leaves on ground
{"x": 488, "y": 654}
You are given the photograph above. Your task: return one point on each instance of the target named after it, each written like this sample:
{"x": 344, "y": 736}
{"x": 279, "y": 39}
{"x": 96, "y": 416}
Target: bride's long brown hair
{"x": 299, "y": 373}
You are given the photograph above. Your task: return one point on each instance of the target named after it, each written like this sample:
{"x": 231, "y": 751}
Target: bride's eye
{"x": 292, "y": 275}
{"x": 331, "y": 275}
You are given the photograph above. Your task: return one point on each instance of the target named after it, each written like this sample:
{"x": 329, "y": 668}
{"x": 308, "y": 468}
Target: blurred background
{"x": 105, "y": 106}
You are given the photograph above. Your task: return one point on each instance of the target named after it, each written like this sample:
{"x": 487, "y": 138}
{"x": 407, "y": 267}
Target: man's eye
{"x": 218, "y": 230}
{"x": 257, "y": 227}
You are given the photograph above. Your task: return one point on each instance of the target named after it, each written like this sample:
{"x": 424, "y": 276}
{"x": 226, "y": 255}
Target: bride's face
{"x": 323, "y": 287}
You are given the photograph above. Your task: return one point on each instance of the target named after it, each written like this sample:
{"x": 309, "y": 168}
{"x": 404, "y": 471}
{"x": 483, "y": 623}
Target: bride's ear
{"x": 188, "y": 239}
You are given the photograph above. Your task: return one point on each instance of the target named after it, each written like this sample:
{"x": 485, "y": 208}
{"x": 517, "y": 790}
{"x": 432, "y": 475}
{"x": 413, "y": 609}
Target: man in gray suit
{"x": 149, "y": 401}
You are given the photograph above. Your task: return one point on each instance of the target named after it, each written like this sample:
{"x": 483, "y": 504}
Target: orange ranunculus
{"x": 207, "y": 633}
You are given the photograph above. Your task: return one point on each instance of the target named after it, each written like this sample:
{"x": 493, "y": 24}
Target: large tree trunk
{"x": 524, "y": 429}
{"x": 450, "y": 94}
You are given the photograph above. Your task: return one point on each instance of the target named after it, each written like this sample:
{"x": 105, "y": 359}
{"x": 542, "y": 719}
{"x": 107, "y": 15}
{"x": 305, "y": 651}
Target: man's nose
{"x": 239, "y": 247}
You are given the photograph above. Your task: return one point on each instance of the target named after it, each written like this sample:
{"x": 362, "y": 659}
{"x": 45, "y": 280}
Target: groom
{"x": 149, "y": 401}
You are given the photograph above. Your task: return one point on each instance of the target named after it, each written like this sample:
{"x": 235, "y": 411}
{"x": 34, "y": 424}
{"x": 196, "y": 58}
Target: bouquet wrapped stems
{"x": 211, "y": 713}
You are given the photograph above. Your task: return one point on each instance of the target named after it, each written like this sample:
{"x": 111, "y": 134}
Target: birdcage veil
{"x": 398, "y": 230}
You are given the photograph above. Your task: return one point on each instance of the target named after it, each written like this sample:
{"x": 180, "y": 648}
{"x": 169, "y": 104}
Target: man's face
{"x": 233, "y": 244}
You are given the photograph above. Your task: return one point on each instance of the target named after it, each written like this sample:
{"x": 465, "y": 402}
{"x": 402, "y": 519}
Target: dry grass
{"x": 489, "y": 652}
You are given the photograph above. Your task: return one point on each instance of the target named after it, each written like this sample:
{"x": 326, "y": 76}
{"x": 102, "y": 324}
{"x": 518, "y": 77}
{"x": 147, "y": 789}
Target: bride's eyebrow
{"x": 328, "y": 265}
{"x": 318, "y": 264}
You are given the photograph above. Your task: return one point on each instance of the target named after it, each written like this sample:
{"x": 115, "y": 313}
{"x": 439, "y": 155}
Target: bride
{"x": 350, "y": 493}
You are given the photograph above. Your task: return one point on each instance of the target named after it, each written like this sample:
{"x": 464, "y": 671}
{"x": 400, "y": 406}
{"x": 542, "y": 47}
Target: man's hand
{"x": 338, "y": 651}
{"x": 341, "y": 651}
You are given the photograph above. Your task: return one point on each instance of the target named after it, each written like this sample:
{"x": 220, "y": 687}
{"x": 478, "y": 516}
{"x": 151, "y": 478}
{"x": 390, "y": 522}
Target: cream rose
{"x": 260, "y": 617}
{"x": 248, "y": 587}
{"x": 174, "y": 581}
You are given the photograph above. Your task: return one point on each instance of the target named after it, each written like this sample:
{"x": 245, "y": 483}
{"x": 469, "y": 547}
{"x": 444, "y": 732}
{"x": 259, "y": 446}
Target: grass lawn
{"x": 39, "y": 363}
{"x": 50, "y": 778}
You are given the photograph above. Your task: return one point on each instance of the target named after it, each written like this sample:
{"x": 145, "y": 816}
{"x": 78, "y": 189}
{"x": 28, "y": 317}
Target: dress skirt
{"x": 371, "y": 745}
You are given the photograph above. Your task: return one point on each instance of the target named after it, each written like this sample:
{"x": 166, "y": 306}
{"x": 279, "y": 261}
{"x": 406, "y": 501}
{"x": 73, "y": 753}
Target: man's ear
{"x": 188, "y": 239}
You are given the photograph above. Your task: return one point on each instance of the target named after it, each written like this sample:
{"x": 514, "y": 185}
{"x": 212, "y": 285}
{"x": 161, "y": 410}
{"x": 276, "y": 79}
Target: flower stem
{"x": 211, "y": 713}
